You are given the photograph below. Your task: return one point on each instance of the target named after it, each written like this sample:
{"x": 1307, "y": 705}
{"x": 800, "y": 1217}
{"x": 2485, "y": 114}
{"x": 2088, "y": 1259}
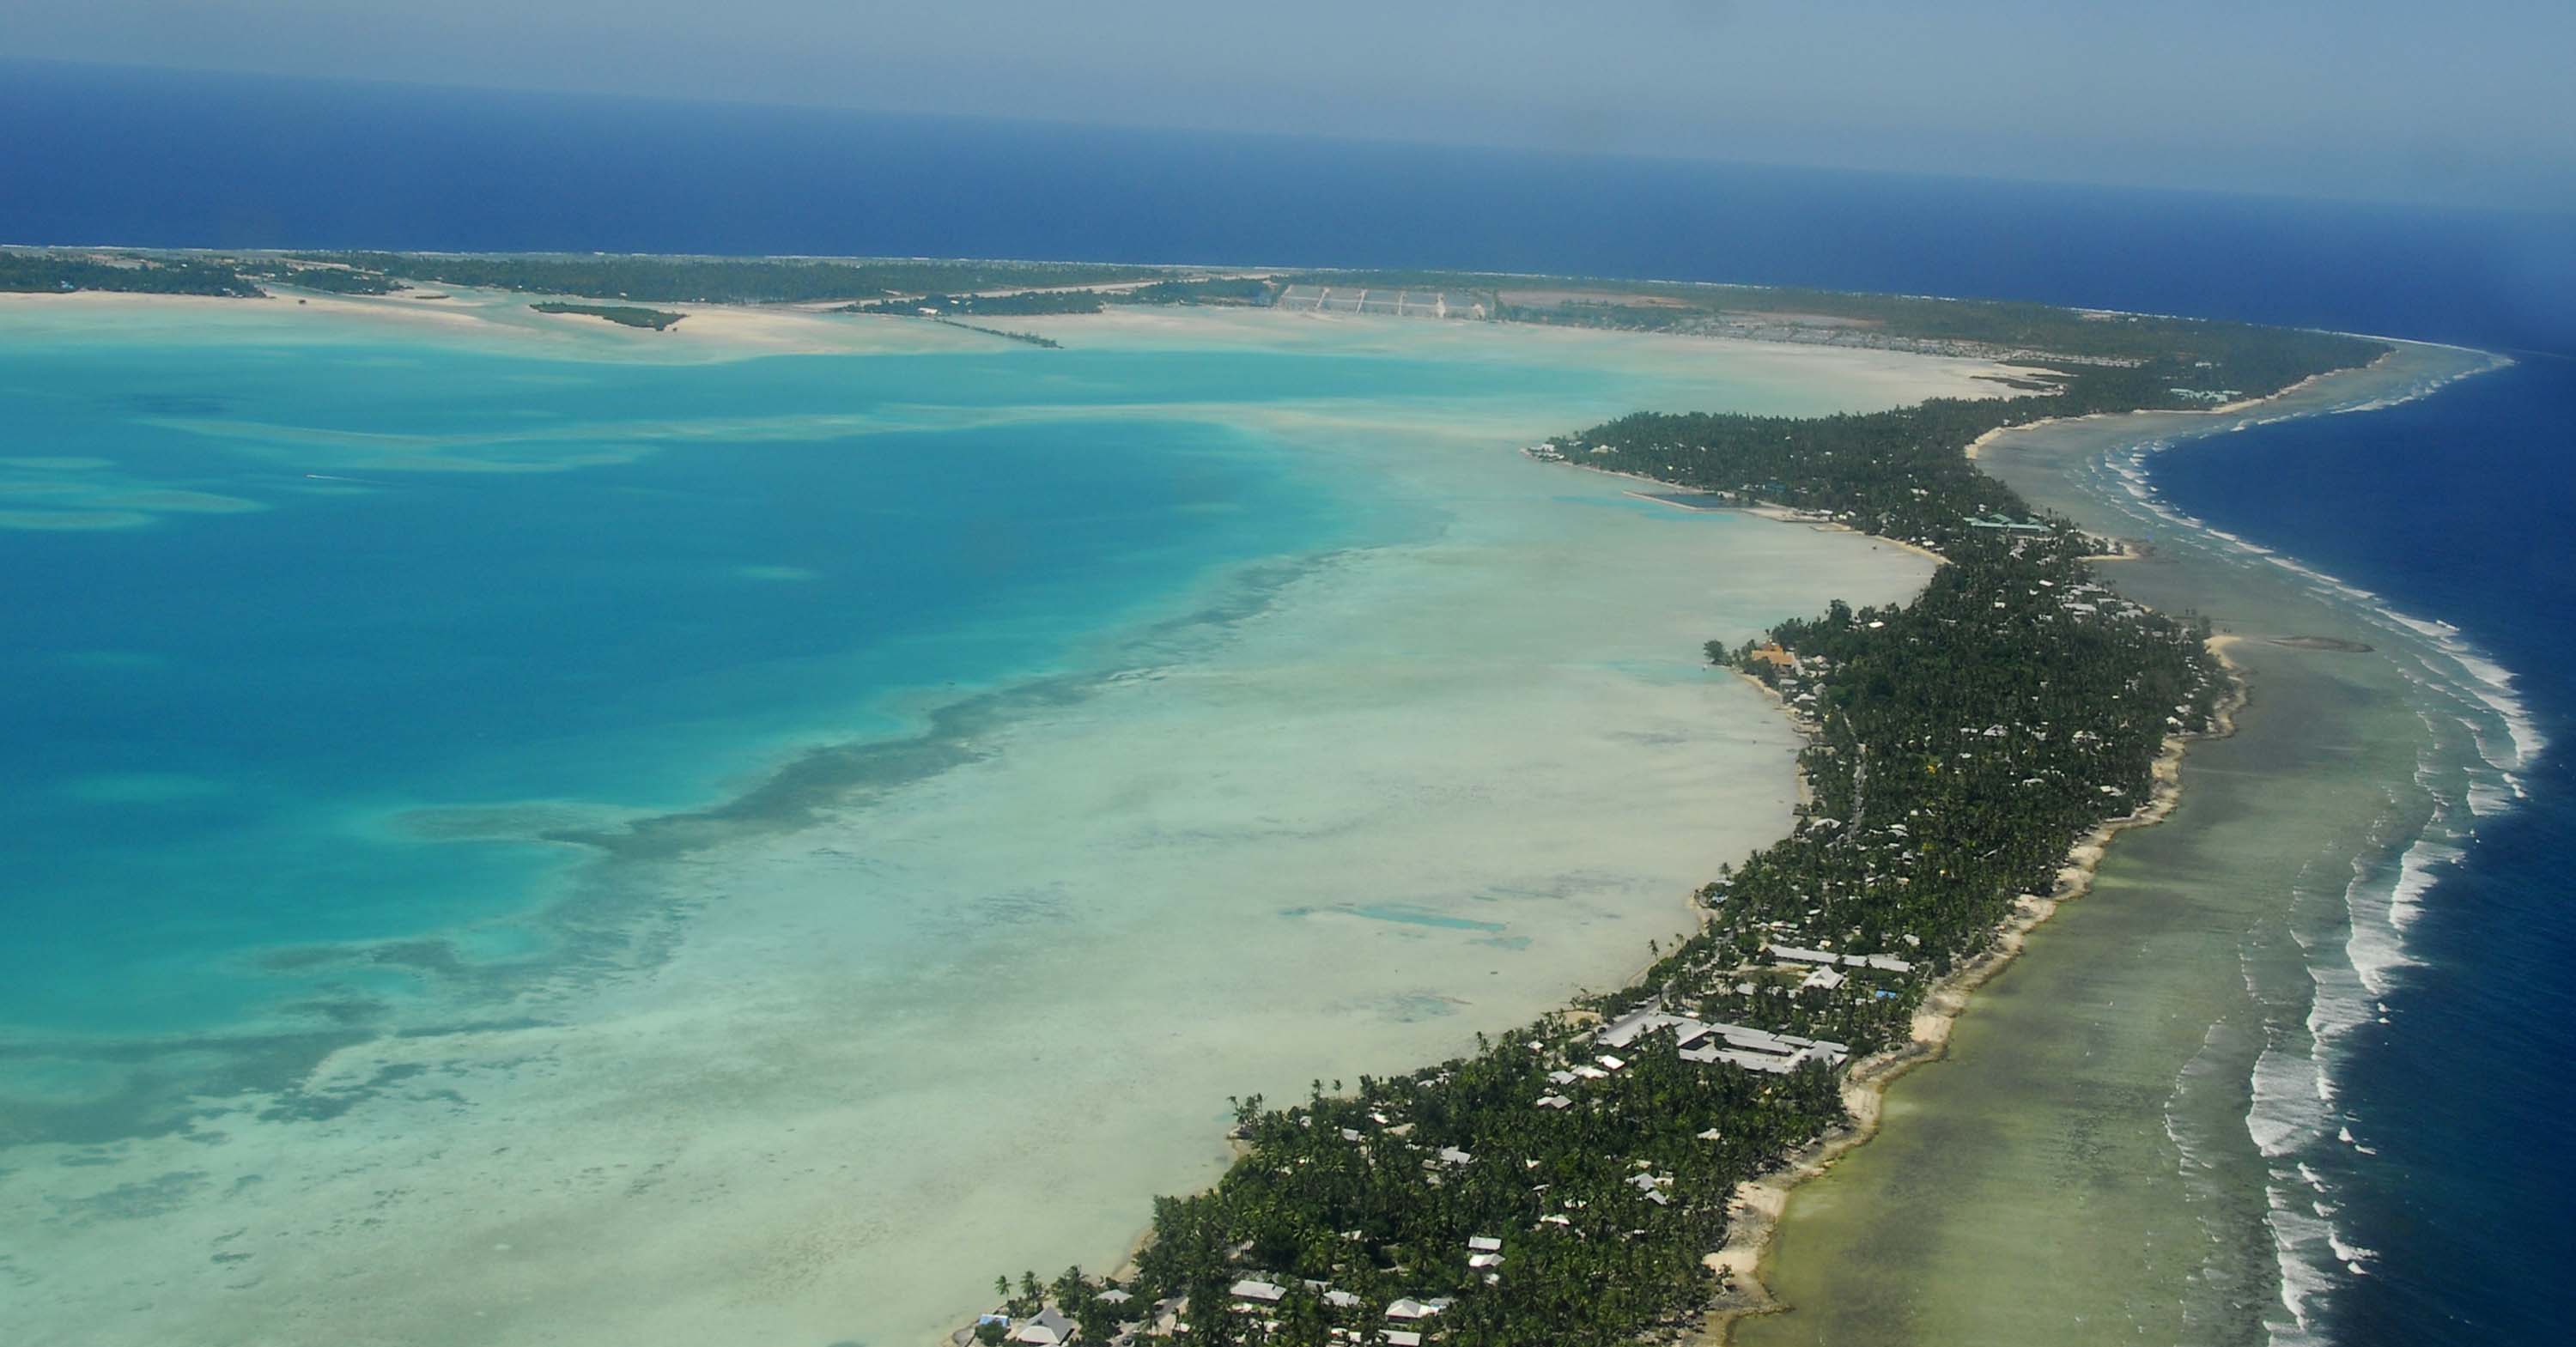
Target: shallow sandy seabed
{"x": 1395, "y": 796}
{"x": 711, "y": 331}
{"x": 731, "y": 331}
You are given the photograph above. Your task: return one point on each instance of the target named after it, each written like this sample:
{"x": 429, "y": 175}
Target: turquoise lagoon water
{"x": 215, "y": 718}
{"x": 550, "y": 828}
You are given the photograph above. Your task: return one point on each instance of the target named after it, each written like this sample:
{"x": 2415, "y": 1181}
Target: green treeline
{"x": 1959, "y": 746}
{"x": 1901, "y": 473}
{"x": 177, "y": 274}
{"x": 624, "y": 315}
{"x": 1208, "y": 290}
{"x": 25, "y": 270}
{"x": 336, "y": 280}
{"x": 723, "y": 280}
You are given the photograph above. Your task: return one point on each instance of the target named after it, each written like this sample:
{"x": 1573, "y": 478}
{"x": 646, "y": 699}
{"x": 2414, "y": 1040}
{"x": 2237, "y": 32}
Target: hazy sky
{"x": 2468, "y": 100}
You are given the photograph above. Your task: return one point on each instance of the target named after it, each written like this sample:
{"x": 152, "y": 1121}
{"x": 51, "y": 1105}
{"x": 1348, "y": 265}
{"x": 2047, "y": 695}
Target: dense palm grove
{"x": 1549, "y": 1188}
{"x": 1962, "y": 742}
{"x": 36, "y": 271}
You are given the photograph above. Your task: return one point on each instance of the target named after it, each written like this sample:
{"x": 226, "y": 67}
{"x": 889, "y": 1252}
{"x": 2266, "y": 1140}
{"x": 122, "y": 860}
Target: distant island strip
{"x": 635, "y": 279}
{"x": 1571, "y": 1180}
{"x": 2129, "y": 361}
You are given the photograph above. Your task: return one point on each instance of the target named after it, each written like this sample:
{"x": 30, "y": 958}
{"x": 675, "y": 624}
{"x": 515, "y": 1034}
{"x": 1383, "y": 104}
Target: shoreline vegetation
{"x": 1762, "y": 1202}
{"x": 1969, "y": 756}
{"x": 624, "y": 315}
{"x": 1608, "y": 1173}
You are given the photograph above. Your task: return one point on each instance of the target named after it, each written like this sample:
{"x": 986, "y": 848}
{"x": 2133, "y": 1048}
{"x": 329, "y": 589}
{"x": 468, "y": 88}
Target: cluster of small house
{"x": 1407, "y": 1319}
{"x": 1046, "y": 1328}
{"x": 2090, "y": 599}
{"x": 2085, "y": 600}
{"x": 1706, "y": 1043}
{"x": 1051, "y": 1327}
{"x": 1791, "y": 676}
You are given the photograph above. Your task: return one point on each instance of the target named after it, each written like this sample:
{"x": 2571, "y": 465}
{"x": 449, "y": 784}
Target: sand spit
{"x": 2241, "y": 405}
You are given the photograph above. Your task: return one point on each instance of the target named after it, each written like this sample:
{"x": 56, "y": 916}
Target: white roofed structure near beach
{"x": 1046, "y": 1328}
{"x": 1881, "y": 962}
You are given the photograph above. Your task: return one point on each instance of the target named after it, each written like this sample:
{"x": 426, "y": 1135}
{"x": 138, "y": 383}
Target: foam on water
{"x": 2290, "y": 1095}
{"x": 2417, "y": 871}
{"x": 2479, "y": 737}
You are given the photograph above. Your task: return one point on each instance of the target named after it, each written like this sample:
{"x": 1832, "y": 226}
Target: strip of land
{"x": 2156, "y": 1226}
{"x": 1566, "y": 1182}
{"x": 1970, "y": 754}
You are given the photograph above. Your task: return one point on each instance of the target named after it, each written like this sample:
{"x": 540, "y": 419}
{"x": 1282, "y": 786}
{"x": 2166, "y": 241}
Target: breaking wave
{"x": 2350, "y": 923}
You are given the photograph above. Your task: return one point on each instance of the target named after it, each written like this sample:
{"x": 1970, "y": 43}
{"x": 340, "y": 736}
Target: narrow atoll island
{"x": 1573, "y": 1180}
{"x": 1577, "y": 1179}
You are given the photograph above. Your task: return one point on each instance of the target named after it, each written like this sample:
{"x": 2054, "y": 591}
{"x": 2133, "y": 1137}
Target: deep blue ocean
{"x": 2454, "y": 507}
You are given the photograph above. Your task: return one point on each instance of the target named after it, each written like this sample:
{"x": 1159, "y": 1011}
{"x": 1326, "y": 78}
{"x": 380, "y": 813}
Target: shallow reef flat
{"x": 810, "y": 1056}
{"x": 2106, "y": 1152}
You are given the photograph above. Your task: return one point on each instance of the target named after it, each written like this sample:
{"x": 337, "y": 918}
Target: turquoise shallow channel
{"x": 582, "y": 581}
{"x": 503, "y": 814}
